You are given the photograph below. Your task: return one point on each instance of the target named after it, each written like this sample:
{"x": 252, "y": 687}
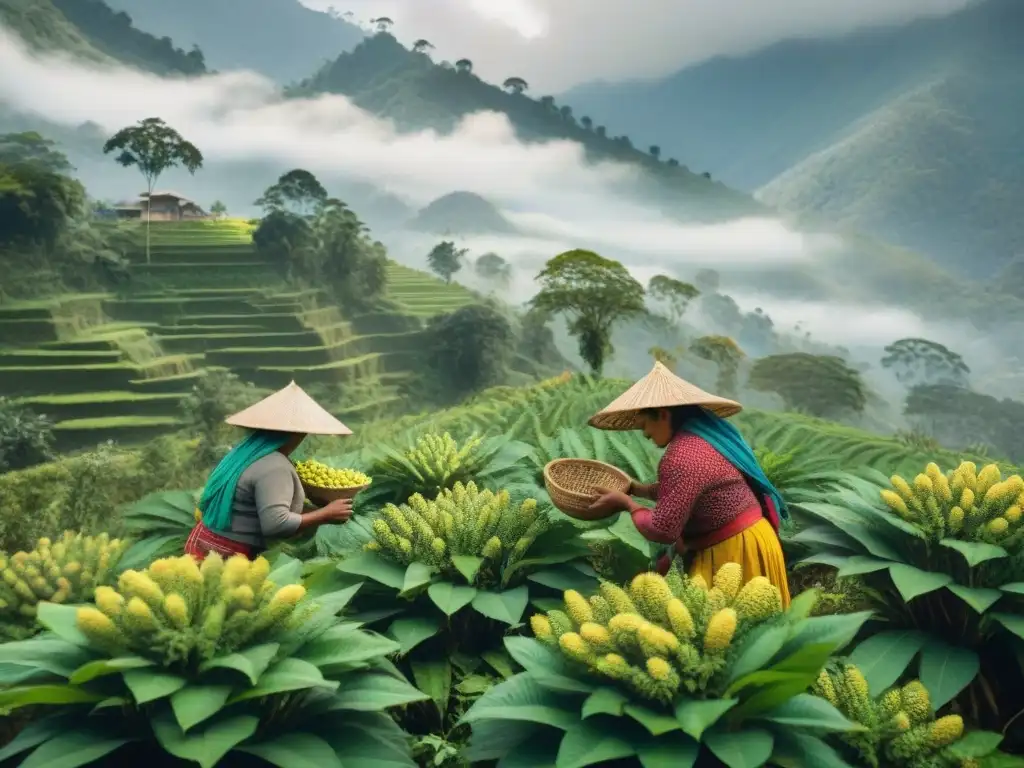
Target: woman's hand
{"x": 338, "y": 511}
{"x": 608, "y": 502}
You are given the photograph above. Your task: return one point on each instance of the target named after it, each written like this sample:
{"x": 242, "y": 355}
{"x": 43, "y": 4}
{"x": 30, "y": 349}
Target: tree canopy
{"x": 593, "y": 293}
{"x": 919, "y": 361}
{"x": 674, "y": 294}
{"x": 727, "y": 355}
{"x": 36, "y": 204}
{"x": 962, "y": 418}
{"x": 31, "y": 147}
{"x": 490, "y": 266}
{"x": 445, "y": 259}
{"x": 297, "y": 191}
{"x": 820, "y": 385}
{"x": 470, "y": 348}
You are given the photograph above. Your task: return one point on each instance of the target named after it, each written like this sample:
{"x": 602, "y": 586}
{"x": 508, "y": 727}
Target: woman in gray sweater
{"x": 254, "y": 494}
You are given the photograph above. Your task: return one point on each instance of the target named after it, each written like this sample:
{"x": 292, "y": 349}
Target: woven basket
{"x": 327, "y": 495}
{"x": 573, "y": 483}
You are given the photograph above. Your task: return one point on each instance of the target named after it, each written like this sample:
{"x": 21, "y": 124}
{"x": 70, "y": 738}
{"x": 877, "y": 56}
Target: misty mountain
{"x": 909, "y": 132}
{"x": 461, "y": 213}
{"x": 282, "y": 39}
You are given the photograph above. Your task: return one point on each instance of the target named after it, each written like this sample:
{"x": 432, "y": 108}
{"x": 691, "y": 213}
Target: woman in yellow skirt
{"x": 713, "y": 503}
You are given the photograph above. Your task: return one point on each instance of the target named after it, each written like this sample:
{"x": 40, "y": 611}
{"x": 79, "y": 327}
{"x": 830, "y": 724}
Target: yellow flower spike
{"x": 942, "y": 490}
{"x": 945, "y": 731}
{"x": 96, "y": 625}
{"x": 576, "y": 647}
{"x": 242, "y": 598}
{"x": 902, "y": 487}
{"x": 967, "y": 500}
{"x": 987, "y": 477}
{"x": 892, "y": 702}
{"x": 541, "y": 627}
{"x": 923, "y": 486}
{"x": 258, "y": 572}
{"x": 825, "y": 688}
{"x": 728, "y": 579}
{"x": 492, "y": 548}
{"x": 617, "y": 598}
{"x": 601, "y": 609}
{"x": 720, "y": 630}
{"x": 717, "y": 599}
{"x": 679, "y": 619}
{"x": 893, "y": 501}
{"x": 856, "y": 682}
{"x": 933, "y": 471}
{"x": 758, "y": 600}
{"x": 916, "y": 701}
{"x": 1012, "y": 514}
{"x": 998, "y": 526}
{"x": 660, "y": 669}
{"x": 577, "y": 607}
{"x": 109, "y": 601}
{"x": 437, "y": 546}
{"x": 236, "y": 571}
{"x": 290, "y": 594}
{"x": 655, "y": 640}
{"x": 698, "y": 582}
{"x": 140, "y": 614}
{"x": 138, "y": 584}
{"x": 597, "y": 637}
{"x": 176, "y": 610}
{"x": 955, "y": 521}
{"x": 901, "y": 721}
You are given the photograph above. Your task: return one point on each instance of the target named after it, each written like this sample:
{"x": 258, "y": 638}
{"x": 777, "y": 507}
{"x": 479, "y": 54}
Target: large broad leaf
{"x": 1011, "y": 621}
{"x": 29, "y": 695}
{"x": 295, "y": 750}
{"x": 861, "y": 564}
{"x": 545, "y": 665}
{"x": 149, "y": 685}
{"x": 759, "y": 649}
{"x": 45, "y": 653}
{"x": 697, "y": 715}
{"x": 977, "y": 744}
{"x": 290, "y": 674}
{"x": 346, "y": 645}
{"x": 741, "y": 749}
{"x": 794, "y": 748}
{"x": 1017, "y": 588}
{"x": 252, "y": 662}
{"x": 912, "y": 582}
{"x": 104, "y": 667}
{"x": 523, "y": 698}
{"x": 358, "y": 743}
{"x": 656, "y": 723}
{"x": 62, "y": 620}
{"x": 565, "y": 578}
{"x": 195, "y": 703}
{"x": 883, "y": 658}
{"x": 818, "y": 535}
{"x": 373, "y": 692}
{"x": 449, "y": 597}
{"x": 206, "y": 744}
{"x": 978, "y": 598}
{"x": 946, "y": 670}
{"x": 497, "y": 739}
{"x": 434, "y": 678}
{"x": 468, "y": 566}
{"x": 835, "y": 631}
{"x": 142, "y": 553}
{"x": 417, "y": 576}
{"x": 874, "y": 541}
{"x": 506, "y": 607}
{"x": 39, "y": 730}
{"x": 164, "y": 511}
{"x": 673, "y": 750}
{"x": 410, "y": 631}
{"x": 287, "y": 570}
{"x": 73, "y": 748}
{"x": 591, "y": 743}
{"x": 975, "y": 552}
{"x": 805, "y": 711}
{"x": 604, "y": 701}
{"x": 374, "y": 567}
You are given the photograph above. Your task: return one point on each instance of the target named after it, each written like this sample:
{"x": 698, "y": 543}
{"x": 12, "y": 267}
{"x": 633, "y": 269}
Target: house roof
{"x": 168, "y": 193}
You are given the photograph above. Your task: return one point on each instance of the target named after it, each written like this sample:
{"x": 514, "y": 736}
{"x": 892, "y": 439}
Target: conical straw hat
{"x": 659, "y": 389}
{"x": 289, "y": 410}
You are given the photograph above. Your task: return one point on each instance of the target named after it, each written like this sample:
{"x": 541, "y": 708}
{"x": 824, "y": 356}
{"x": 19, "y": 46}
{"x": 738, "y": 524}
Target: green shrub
{"x": 26, "y": 438}
{"x": 215, "y": 396}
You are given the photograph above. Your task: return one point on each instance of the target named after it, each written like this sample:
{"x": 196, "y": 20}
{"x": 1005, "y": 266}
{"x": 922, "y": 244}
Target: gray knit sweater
{"x": 268, "y": 502}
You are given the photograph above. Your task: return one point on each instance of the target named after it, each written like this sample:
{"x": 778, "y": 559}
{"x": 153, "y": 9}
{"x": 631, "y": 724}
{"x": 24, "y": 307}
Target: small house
{"x": 162, "y": 206}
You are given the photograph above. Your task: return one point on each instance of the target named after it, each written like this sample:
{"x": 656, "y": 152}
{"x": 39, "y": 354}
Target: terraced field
{"x": 107, "y": 366}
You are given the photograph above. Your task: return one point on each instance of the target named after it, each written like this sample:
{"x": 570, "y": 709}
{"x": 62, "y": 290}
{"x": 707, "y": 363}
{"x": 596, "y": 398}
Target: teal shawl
{"x": 219, "y": 492}
{"x": 728, "y": 441}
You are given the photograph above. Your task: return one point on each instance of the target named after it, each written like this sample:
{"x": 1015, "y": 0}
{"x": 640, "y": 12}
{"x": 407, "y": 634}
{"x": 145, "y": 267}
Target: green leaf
{"x": 742, "y": 749}
{"x": 523, "y": 698}
{"x": 563, "y": 579}
{"x": 756, "y": 653}
{"x": 912, "y": 582}
{"x": 774, "y": 695}
{"x": 794, "y": 749}
{"x": 976, "y": 744}
{"x": 373, "y": 692}
{"x": 252, "y": 662}
{"x": 42, "y": 653}
{"x": 883, "y": 658}
{"x": 62, "y": 620}
{"x": 807, "y": 711}
{"x": 978, "y": 598}
{"x": 147, "y": 685}
{"x": 500, "y": 662}
{"x": 295, "y": 750}
{"x": 604, "y": 701}
{"x": 288, "y": 570}
{"x": 205, "y": 745}
{"x": 103, "y": 667}
{"x": 945, "y": 670}
{"x": 468, "y": 566}
{"x": 434, "y": 678}
{"x": 1017, "y": 588}
{"x": 506, "y": 607}
{"x": 195, "y": 703}
{"x": 975, "y": 552}
{"x": 345, "y": 645}
{"x": 808, "y": 659}
{"x": 1012, "y": 622}
{"x": 673, "y": 750}
{"x": 28, "y": 695}
{"x": 416, "y": 575}
{"x": 449, "y": 597}
{"x": 36, "y": 731}
{"x": 858, "y": 565}
{"x": 547, "y": 666}
{"x": 801, "y": 605}
{"x": 72, "y": 749}
{"x": 587, "y": 743}
{"x": 290, "y": 674}
{"x": 374, "y": 567}
{"x": 656, "y": 723}
{"x": 411, "y": 631}
{"x": 697, "y": 715}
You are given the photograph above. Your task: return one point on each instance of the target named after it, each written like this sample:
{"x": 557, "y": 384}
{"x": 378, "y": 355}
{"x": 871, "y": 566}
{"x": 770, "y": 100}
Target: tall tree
{"x": 465, "y": 66}
{"x": 674, "y": 294}
{"x": 492, "y": 267}
{"x": 587, "y": 122}
{"x": 919, "y": 361}
{"x": 724, "y": 353}
{"x": 422, "y": 46}
{"x": 297, "y": 191}
{"x": 153, "y": 147}
{"x": 32, "y": 147}
{"x": 593, "y": 293}
{"x": 655, "y": 151}
{"x": 470, "y": 348}
{"x": 218, "y": 208}
{"x": 445, "y": 259}
{"x": 821, "y": 385}
{"x": 383, "y": 23}
{"x": 515, "y": 85}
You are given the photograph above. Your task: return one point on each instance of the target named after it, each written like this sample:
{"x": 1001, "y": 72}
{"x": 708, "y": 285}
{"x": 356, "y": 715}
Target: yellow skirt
{"x": 757, "y": 549}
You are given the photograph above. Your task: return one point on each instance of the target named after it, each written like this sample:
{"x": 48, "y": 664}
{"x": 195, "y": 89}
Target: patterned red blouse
{"x": 699, "y": 492}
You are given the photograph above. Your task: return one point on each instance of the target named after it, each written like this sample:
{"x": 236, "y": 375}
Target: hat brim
{"x": 289, "y": 410}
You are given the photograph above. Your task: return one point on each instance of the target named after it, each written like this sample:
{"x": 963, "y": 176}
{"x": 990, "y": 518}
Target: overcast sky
{"x": 556, "y": 44}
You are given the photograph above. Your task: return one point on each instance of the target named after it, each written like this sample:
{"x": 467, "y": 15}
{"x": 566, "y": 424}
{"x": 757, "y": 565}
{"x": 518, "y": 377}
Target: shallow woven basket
{"x": 327, "y": 495}
{"x": 573, "y": 483}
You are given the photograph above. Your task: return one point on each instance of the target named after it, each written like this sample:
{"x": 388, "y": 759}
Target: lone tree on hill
{"x": 218, "y": 209}
{"x": 492, "y": 267}
{"x": 655, "y": 151}
{"x": 515, "y": 85}
{"x": 383, "y": 23}
{"x": 675, "y": 294}
{"x": 587, "y": 122}
{"x": 464, "y": 66}
{"x": 445, "y": 259}
{"x": 153, "y": 147}
{"x": 422, "y": 46}
{"x": 727, "y": 355}
{"x": 470, "y": 348}
{"x": 821, "y": 385}
{"x": 594, "y": 293}
{"x": 920, "y": 361}
{"x": 667, "y": 357}
{"x": 297, "y": 191}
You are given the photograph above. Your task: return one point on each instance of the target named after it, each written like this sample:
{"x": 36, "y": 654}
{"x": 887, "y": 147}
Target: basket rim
{"x": 593, "y": 462}
{"x": 345, "y": 488}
